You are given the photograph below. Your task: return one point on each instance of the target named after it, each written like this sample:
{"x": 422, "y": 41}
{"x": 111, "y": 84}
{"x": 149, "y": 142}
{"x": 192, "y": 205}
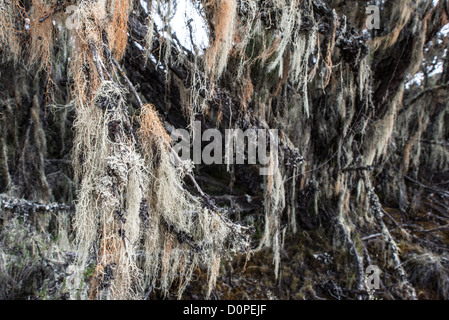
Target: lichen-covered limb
{"x": 26, "y": 206}
{"x": 376, "y": 208}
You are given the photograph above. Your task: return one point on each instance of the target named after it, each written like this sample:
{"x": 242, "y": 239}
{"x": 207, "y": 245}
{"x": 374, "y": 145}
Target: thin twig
{"x": 436, "y": 190}
{"x": 96, "y": 59}
{"x": 123, "y": 74}
{"x": 50, "y": 14}
{"x": 434, "y": 229}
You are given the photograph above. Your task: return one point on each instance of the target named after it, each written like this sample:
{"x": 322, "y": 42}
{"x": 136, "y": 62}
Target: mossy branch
{"x": 26, "y": 206}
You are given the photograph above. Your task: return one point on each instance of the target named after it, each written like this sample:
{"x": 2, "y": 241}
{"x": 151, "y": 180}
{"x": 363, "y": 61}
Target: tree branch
{"x": 26, "y": 206}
